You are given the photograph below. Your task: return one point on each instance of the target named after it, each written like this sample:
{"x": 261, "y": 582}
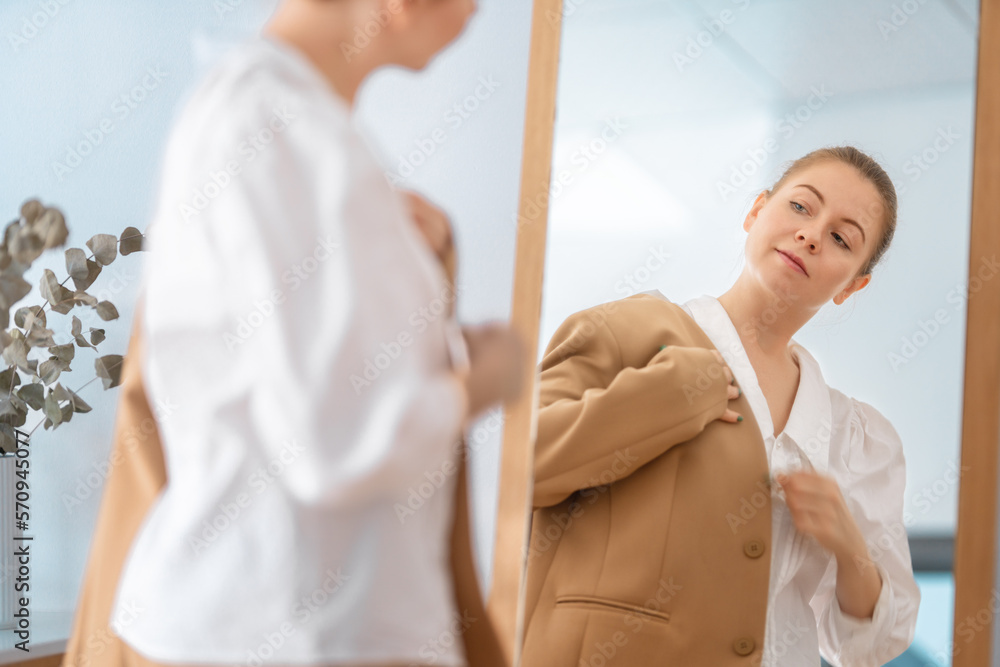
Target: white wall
{"x": 65, "y": 70}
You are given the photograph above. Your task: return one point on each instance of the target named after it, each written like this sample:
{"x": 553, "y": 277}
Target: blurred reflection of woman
{"x": 653, "y": 496}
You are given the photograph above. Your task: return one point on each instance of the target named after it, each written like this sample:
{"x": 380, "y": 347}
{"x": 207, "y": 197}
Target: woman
{"x": 283, "y": 318}
{"x": 653, "y": 468}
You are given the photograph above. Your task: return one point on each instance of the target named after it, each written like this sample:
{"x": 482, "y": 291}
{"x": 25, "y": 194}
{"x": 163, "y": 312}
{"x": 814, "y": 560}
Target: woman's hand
{"x": 496, "y": 361}
{"x": 734, "y": 392}
{"x": 432, "y": 222}
{"x": 818, "y": 509}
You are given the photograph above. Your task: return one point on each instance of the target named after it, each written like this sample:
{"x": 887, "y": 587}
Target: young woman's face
{"x": 829, "y": 217}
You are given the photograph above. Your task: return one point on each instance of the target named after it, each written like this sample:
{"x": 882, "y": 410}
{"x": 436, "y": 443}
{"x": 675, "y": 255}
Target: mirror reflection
{"x": 752, "y": 334}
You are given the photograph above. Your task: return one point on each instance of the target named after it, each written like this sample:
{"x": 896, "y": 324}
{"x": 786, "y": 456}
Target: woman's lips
{"x": 792, "y": 263}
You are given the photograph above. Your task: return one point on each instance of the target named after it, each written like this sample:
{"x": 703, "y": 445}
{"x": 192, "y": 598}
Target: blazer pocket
{"x": 606, "y": 604}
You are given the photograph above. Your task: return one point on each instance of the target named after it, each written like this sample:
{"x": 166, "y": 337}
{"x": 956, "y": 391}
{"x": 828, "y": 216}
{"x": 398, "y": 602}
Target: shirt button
{"x": 744, "y": 646}
{"x": 754, "y": 548}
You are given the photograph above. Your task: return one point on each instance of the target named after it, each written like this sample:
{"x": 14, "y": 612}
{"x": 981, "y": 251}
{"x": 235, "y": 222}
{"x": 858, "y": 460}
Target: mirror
{"x": 672, "y": 117}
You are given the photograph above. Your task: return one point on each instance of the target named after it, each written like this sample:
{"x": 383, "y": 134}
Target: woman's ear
{"x": 856, "y": 285}
{"x": 754, "y": 210}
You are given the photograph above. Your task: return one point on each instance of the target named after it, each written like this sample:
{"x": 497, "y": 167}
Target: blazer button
{"x": 754, "y": 548}
{"x": 744, "y": 646}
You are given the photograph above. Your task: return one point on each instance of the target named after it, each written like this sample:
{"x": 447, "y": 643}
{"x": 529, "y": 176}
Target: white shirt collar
{"x": 810, "y": 421}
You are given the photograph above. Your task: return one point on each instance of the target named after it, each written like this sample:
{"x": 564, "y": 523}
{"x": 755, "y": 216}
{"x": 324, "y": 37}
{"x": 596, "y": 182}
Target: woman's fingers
{"x": 730, "y": 416}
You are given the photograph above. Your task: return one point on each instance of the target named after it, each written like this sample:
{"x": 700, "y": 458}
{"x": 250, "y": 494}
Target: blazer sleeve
{"x": 595, "y": 413}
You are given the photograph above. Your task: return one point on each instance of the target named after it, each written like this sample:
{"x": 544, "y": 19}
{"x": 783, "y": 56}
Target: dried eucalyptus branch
{"x": 39, "y": 229}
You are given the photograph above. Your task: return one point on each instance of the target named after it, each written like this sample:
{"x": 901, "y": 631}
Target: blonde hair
{"x": 871, "y": 171}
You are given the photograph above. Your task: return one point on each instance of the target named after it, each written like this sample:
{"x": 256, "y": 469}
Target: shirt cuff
{"x": 859, "y": 637}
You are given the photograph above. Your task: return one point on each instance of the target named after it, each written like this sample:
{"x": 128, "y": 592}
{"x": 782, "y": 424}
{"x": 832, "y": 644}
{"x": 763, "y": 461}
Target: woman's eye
{"x": 840, "y": 239}
{"x": 799, "y": 207}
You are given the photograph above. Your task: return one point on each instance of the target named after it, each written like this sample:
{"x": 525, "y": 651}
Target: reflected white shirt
{"x": 849, "y": 440}
{"x": 298, "y": 321}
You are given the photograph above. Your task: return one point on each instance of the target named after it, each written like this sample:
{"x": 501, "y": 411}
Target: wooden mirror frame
{"x": 975, "y": 568}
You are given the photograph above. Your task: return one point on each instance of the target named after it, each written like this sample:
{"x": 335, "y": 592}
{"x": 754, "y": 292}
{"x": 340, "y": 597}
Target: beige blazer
{"x": 136, "y": 477}
{"x": 633, "y": 558}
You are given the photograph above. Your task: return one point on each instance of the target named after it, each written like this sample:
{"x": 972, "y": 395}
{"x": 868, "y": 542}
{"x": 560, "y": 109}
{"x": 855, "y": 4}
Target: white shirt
{"x": 850, "y": 441}
{"x": 297, "y": 319}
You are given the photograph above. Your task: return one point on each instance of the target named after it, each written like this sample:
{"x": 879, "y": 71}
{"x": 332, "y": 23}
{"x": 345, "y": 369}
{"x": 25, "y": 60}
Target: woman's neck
{"x": 765, "y": 322}
{"x": 320, "y": 33}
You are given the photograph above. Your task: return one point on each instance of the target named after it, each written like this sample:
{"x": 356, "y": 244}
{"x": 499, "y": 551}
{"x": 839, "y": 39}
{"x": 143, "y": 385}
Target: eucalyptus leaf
{"x": 82, "y": 342}
{"x": 77, "y": 326}
{"x": 79, "y": 405}
{"x": 8, "y": 440}
{"x": 107, "y": 311}
{"x": 93, "y": 270}
{"x": 109, "y": 369}
{"x": 17, "y": 353}
{"x": 52, "y": 291}
{"x": 31, "y": 210}
{"x": 130, "y": 242}
{"x": 33, "y": 394}
{"x": 13, "y": 288}
{"x": 26, "y": 246}
{"x": 41, "y": 337}
{"x": 104, "y": 247}
{"x": 67, "y": 412}
{"x": 51, "y": 227}
{"x": 13, "y": 411}
{"x": 63, "y": 352}
{"x": 49, "y": 370}
{"x": 84, "y": 299}
{"x": 96, "y": 336}
{"x": 60, "y": 392}
{"x": 76, "y": 263}
{"x": 9, "y": 379}
{"x": 22, "y": 319}
{"x": 18, "y": 402}
{"x": 52, "y": 409}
